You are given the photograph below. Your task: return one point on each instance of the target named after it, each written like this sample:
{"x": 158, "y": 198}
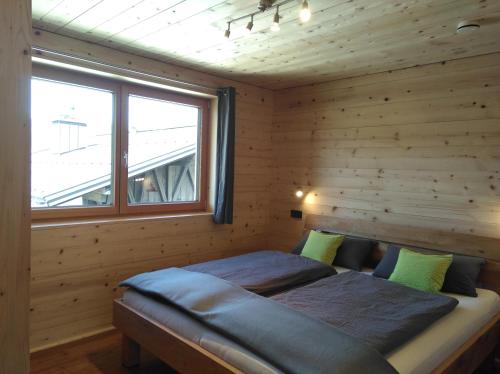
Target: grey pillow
{"x": 386, "y": 266}
{"x": 352, "y": 254}
{"x": 461, "y": 277}
{"x": 297, "y": 250}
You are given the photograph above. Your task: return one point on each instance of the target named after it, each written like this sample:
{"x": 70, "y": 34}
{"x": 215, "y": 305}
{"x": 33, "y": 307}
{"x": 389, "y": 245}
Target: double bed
{"x": 455, "y": 335}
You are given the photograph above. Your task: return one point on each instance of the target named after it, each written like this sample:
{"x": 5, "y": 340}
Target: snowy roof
{"x": 59, "y": 177}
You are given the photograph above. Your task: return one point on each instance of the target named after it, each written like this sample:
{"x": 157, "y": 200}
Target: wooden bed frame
{"x": 186, "y": 356}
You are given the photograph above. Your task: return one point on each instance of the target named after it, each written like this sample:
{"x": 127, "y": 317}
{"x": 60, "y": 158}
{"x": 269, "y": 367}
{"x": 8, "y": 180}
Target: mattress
{"x": 420, "y": 355}
{"x": 428, "y": 349}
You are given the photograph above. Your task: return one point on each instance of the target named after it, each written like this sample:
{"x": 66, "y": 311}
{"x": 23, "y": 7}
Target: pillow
{"x": 352, "y": 254}
{"x": 423, "y": 272}
{"x": 297, "y": 250}
{"x": 460, "y": 278}
{"x": 322, "y": 247}
{"x": 386, "y": 266}
{"x": 462, "y": 275}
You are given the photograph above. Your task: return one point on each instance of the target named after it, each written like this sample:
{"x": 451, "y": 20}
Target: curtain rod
{"x": 47, "y": 52}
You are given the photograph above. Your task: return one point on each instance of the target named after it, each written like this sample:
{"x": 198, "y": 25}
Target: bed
{"x": 465, "y": 337}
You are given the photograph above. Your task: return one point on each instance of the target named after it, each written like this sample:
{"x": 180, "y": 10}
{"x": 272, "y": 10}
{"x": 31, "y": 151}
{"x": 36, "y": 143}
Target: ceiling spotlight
{"x": 466, "y": 26}
{"x": 305, "y": 12}
{"x": 250, "y": 25}
{"x": 268, "y": 5}
{"x": 276, "y": 22}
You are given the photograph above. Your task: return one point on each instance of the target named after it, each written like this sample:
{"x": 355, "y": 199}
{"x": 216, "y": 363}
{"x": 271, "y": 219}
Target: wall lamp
{"x": 299, "y": 193}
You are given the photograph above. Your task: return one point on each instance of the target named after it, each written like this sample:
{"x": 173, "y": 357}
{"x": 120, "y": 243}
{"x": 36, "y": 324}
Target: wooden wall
{"x": 15, "y": 70}
{"x": 76, "y": 267}
{"x": 418, "y": 148}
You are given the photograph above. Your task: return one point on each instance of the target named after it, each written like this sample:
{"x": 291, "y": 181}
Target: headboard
{"x": 409, "y": 236}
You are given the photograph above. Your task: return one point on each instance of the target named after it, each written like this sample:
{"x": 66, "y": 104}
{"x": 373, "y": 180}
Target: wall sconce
{"x": 299, "y": 193}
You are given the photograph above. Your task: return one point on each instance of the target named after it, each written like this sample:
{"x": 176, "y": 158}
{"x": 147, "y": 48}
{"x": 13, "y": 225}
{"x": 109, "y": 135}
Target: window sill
{"x": 111, "y": 220}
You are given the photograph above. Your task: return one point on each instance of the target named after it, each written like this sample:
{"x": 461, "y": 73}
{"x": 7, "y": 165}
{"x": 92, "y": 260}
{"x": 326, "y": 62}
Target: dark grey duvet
{"x": 379, "y": 312}
{"x": 289, "y": 340}
{"x": 265, "y": 272}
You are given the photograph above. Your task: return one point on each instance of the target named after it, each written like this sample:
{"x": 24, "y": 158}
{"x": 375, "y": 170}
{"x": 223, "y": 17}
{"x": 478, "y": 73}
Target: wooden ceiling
{"x": 344, "y": 38}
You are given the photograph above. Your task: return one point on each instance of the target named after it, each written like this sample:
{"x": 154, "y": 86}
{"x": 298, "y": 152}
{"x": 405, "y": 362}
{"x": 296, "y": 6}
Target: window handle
{"x": 125, "y": 158}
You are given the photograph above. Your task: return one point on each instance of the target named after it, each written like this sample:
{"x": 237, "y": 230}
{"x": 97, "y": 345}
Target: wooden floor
{"x": 98, "y": 354}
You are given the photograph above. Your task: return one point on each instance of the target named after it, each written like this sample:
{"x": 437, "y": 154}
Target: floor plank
{"x": 95, "y": 355}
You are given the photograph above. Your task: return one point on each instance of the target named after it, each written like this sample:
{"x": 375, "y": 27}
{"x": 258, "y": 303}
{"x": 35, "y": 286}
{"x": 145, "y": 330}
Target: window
{"x": 103, "y": 147}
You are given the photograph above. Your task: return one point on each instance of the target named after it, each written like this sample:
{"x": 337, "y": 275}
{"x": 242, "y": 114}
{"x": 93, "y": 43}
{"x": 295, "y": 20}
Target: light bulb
{"x": 305, "y": 12}
{"x": 299, "y": 193}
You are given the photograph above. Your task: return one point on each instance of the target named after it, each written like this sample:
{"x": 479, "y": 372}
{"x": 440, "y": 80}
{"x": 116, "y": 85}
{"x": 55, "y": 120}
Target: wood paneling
{"x": 417, "y": 148}
{"x": 344, "y": 38}
{"x": 15, "y": 72}
{"x": 76, "y": 267}
{"x": 411, "y": 153}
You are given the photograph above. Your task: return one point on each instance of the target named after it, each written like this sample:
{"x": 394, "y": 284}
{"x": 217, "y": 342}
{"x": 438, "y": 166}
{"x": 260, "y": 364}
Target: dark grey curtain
{"x": 225, "y": 156}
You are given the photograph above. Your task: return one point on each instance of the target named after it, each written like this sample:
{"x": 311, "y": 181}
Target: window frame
{"x": 203, "y": 104}
{"x": 121, "y": 90}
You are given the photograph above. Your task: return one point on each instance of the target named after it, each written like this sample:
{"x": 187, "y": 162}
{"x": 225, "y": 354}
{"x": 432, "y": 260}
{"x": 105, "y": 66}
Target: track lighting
{"x": 276, "y": 21}
{"x": 305, "y": 12}
{"x": 264, "y": 6}
{"x": 250, "y": 25}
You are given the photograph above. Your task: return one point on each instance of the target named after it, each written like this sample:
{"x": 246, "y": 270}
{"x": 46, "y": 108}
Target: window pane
{"x": 72, "y": 145}
{"x": 163, "y": 151}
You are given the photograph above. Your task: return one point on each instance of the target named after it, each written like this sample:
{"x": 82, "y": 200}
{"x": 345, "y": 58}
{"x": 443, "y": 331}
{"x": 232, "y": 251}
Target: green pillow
{"x": 322, "y": 247}
{"x": 420, "y": 271}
